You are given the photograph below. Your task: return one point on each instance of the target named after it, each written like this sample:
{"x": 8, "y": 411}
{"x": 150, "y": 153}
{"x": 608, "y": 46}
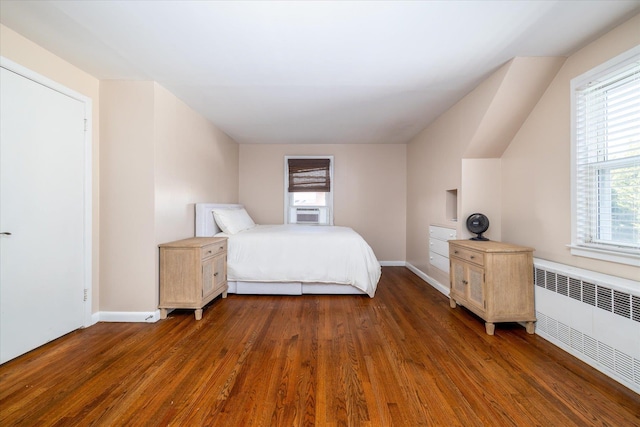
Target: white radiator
{"x": 593, "y": 316}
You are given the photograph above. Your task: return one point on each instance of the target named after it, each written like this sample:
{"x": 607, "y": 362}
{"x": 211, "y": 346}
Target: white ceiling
{"x": 306, "y": 71}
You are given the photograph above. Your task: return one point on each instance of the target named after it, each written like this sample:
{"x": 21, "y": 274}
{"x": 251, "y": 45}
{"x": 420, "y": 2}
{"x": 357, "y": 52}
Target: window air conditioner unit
{"x": 309, "y": 216}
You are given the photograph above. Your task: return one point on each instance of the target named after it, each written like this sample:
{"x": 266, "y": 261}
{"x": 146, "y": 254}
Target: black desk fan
{"x": 478, "y": 223}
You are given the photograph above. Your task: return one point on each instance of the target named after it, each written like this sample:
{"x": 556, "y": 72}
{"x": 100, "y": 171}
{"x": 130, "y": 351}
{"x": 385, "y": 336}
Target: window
{"x": 606, "y": 161}
{"x": 308, "y": 190}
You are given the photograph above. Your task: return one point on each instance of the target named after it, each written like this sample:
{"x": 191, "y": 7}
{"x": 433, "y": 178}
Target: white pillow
{"x": 232, "y": 221}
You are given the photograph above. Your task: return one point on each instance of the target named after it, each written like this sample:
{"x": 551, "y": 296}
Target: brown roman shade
{"x": 309, "y": 175}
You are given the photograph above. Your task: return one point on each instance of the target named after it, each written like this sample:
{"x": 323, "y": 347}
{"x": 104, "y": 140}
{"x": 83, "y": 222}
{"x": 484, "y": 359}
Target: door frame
{"x": 88, "y": 171}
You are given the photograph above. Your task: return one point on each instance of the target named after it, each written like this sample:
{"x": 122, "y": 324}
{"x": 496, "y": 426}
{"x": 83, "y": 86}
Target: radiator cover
{"x": 593, "y": 316}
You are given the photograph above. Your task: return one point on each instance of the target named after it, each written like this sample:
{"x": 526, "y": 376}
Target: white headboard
{"x": 205, "y": 224}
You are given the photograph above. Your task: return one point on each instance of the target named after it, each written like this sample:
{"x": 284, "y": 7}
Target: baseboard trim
{"x": 430, "y": 280}
{"x": 95, "y": 318}
{"x": 129, "y": 316}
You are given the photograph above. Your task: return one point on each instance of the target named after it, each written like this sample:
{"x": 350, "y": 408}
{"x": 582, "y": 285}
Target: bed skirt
{"x": 291, "y": 288}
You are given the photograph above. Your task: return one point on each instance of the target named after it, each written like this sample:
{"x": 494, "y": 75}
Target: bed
{"x": 291, "y": 259}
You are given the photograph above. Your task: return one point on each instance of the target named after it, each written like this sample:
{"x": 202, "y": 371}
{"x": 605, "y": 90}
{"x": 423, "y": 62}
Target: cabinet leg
{"x": 198, "y": 313}
{"x": 452, "y": 303}
{"x": 224, "y": 294}
{"x": 490, "y": 327}
{"x": 531, "y": 327}
{"x": 163, "y": 313}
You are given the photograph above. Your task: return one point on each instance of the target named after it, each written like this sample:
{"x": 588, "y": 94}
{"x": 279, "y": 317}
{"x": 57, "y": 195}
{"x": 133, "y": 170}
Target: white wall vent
{"x": 593, "y": 316}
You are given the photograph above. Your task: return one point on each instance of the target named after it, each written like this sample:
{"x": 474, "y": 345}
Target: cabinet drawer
{"x": 439, "y": 247}
{"x": 467, "y": 255}
{"x": 442, "y": 233}
{"x": 214, "y": 249}
{"x": 440, "y": 262}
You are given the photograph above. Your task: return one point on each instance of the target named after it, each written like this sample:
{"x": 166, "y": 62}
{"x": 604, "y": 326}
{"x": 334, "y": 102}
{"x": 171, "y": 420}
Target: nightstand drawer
{"x": 467, "y": 255}
{"x": 211, "y": 250}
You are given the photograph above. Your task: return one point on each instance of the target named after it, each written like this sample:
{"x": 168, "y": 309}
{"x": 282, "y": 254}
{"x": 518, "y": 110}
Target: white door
{"x": 42, "y": 196}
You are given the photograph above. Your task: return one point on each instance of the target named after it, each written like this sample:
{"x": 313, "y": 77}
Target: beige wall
{"x": 481, "y": 192}
{"x": 26, "y": 53}
{"x": 525, "y": 186}
{"x": 194, "y": 162}
{"x": 536, "y": 179}
{"x": 433, "y": 167}
{"x": 369, "y": 189}
{"x": 127, "y": 197}
{"x": 159, "y": 158}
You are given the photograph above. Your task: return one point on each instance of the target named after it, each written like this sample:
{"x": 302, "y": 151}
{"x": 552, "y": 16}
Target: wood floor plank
{"x": 403, "y": 358}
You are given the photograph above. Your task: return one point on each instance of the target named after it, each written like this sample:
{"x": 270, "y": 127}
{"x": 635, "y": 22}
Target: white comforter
{"x": 302, "y": 253}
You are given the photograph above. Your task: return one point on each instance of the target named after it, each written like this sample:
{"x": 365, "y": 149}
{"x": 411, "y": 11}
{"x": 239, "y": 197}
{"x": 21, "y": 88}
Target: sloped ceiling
{"x": 518, "y": 87}
{"x": 307, "y": 71}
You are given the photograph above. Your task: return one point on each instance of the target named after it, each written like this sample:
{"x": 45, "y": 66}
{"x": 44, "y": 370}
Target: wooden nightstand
{"x": 494, "y": 280}
{"x": 192, "y": 273}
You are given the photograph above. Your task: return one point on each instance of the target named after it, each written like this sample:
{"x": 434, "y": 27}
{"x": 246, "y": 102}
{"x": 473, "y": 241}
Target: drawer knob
{"x": 455, "y": 252}
{"x": 472, "y": 257}
{"x": 215, "y": 274}
{"x": 464, "y": 282}
{"x": 209, "y": 252}
{"x": 221, "y": 247}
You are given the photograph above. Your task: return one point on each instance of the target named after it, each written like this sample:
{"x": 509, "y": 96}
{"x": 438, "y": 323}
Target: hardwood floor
{"x": 403, "y": 358}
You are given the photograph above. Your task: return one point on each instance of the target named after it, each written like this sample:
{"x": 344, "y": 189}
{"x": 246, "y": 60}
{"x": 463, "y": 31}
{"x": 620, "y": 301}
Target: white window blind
{"x": 607, "y": 138}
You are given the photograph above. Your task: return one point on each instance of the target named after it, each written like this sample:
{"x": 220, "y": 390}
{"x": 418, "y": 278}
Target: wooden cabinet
{"x": 192, "y": 273}
{"x": 494, "y": 280}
